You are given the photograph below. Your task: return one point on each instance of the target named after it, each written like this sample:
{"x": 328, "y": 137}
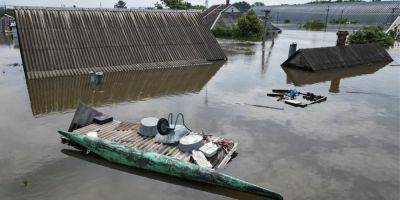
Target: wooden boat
{"x": 119, "y": 142}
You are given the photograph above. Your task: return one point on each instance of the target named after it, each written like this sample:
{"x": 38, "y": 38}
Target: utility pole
{"x": 326, "y": 18}
{"x": 266, "y": 12}
{"x": 341, "y": 19}
{"x": 277, "y": 18}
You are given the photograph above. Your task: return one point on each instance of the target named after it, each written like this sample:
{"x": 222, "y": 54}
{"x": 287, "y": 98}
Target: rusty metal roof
{"x": 67, "y": 41}
{"x": 315, "y": 59}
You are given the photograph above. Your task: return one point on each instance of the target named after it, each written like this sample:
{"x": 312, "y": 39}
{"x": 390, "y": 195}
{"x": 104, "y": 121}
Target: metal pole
{"x": 326, "y": 18}
{"x": 265, "y": 28}
{"x": 277, "y": 18}
{"x": 341, "y": 19}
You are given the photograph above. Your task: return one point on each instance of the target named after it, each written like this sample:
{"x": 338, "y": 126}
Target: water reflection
{"x": 8, "y": 40}
{"x": 299, "y": 77}
{"x": 63, "y": 93}
{"x": 92, "y": 158}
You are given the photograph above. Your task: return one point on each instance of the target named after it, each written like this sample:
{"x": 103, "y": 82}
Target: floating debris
{"x": 24, "y": 181}
{"x": 290, "y": 97}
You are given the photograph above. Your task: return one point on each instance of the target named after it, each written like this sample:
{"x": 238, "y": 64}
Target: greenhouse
{"x": 368, "y": 13}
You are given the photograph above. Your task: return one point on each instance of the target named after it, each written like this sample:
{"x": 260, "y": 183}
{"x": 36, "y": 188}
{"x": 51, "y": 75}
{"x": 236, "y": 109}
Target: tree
{"x": 258, "y": 4}
{"x": 7, "y": 11}
{"x": 180, "y": 5}
{"x": 242, "y": 6}
{"x": 371, "y": 34}
{"x": 249, "y": 26}
{"x": 158, "y": 6}
{"x": 314, "y": 25}
{"x": 120, "y": 4}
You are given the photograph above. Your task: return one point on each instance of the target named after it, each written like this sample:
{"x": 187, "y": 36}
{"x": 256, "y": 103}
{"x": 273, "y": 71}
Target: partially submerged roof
{"x": 395, "y": 25}
{"x": 212, "y": 14}
{"x": 68, "y": 41}
{"x": 315, "y": 59}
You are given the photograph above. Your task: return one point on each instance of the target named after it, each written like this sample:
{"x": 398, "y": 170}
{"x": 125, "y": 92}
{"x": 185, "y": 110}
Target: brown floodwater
{"x": 345, "y": 148}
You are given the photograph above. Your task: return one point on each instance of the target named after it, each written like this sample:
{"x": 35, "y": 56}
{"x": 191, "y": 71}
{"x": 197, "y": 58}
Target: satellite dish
{"x": 163, "y": 127}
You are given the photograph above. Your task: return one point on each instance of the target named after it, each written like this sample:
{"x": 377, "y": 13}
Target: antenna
{"x": 206, "y": 4}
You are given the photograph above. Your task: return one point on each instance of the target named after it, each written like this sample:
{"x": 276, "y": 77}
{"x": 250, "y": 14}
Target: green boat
{"x": 119, "y": 142}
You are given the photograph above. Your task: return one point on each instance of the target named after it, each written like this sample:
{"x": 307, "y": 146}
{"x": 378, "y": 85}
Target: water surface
{"x": 345, "y": 148}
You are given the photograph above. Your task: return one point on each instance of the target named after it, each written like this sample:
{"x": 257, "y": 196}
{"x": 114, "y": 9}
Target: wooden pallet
{"x": 126, "y": 133}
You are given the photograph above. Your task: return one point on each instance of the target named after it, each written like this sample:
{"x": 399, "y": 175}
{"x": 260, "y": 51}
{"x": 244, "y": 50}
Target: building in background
{"x": 364, "y": 13}
{"x": 5, "y": 23}
{"x": 228, "y": 17}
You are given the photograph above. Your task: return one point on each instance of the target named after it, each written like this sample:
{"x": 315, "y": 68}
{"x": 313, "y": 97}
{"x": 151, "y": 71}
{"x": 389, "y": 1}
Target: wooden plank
{"x": 200, "y": 159}
{"x": 228, "y": 156}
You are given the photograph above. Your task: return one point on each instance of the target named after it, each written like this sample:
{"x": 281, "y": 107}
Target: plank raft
{"x": 126, "y": 133}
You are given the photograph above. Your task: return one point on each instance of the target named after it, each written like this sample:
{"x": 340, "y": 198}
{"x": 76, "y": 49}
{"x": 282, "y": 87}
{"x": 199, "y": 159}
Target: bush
{"x": 249, "y": 26}
{"x": 7, "y": 11}
{"x": 314, "y": 25}
{"x": 223, "y": 32}
{"x": 372, "y": 34}
{"x": 338, "y": 21}
{"x": 286, "y": 21}
{"x": 395, "y": 34}
{"x": 343, "y": 21}
{"x": 354, "y": 21}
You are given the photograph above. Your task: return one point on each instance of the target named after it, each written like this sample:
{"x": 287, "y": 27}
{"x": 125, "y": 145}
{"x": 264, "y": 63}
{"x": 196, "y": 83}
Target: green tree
{"x": 242, "y": 6}
{"x": 258, "y": 4}
{"x": 249, "y": 26}
{"x": 286, "y": 21}
{"x": 371, "y": 34}
{"x": 314, "y": 25}
{"x": 7, "y": 11}
{"x": 158, "y": 6}
{"x": 120, "y": 4}
{"x": 180, "y": 5}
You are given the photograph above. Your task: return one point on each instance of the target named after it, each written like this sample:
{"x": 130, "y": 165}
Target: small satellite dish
{"x": 163, "y": 127}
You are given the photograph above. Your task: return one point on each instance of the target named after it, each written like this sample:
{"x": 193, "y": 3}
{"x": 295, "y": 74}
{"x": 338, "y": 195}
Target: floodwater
{"x": 345, "y": 148}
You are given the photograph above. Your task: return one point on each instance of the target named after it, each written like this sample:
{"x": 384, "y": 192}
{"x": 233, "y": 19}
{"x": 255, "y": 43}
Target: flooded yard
{"x": 345, "y": 148}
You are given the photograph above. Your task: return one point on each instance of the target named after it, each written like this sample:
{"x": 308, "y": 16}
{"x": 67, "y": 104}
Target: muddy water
{"x": 345, "y": 148}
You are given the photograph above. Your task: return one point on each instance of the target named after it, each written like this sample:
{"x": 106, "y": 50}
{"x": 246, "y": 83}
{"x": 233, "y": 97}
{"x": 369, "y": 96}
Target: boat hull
{"x": 134, "y": 157}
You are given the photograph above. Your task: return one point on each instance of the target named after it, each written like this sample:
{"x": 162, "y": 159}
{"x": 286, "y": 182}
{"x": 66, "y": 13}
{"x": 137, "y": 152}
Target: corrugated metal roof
{"x": 338, "y": 57}
{"x": 66, "y": 41}
{"x": 212, "y": 14}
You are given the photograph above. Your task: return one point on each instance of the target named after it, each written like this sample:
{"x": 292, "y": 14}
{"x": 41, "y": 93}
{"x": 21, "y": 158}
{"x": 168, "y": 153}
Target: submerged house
{"x": 395, "y": 26}
{"x": 6, "y": 22}
{"x": 315, "y": 59}
{"x": 228, "y": 17}
{"x": 72, "y": 41}
{"x": 211, "y": 15}
{"x": 340, "y": 56}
